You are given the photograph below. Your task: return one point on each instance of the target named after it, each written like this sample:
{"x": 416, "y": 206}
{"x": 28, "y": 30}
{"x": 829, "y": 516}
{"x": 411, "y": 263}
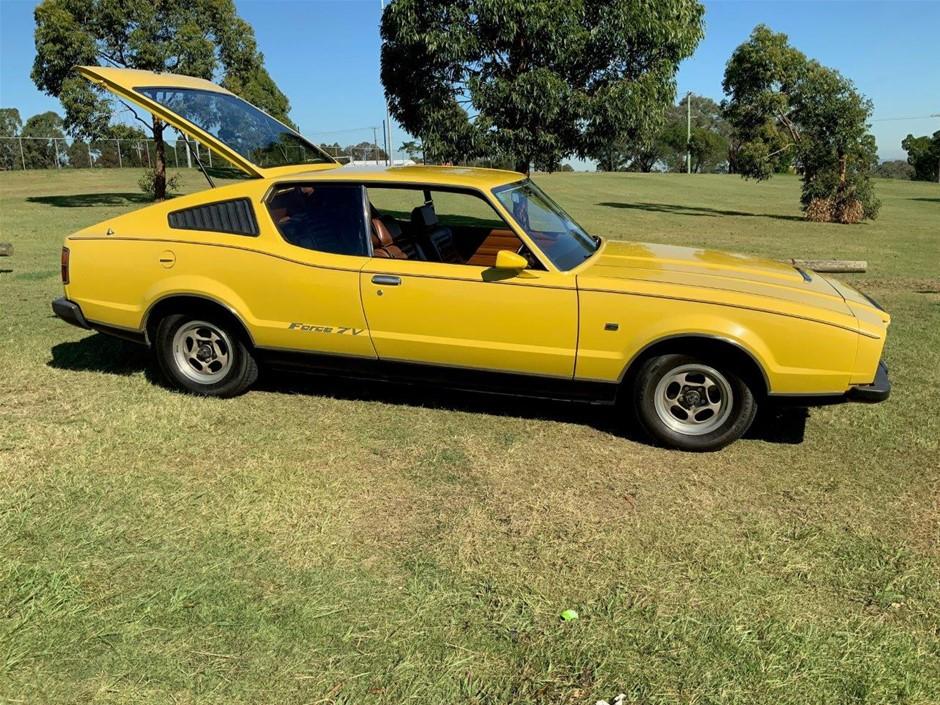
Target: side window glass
{"x": 395, "y": 202}
{"x": 322, "y": 217}
{"x": 434, "y": 225}
{"x": 464, "y": 210}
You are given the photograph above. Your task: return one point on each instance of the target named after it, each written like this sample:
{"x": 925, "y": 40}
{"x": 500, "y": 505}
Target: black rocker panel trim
{"x": 235, "y": 217}
{"x": 463, "y": 379}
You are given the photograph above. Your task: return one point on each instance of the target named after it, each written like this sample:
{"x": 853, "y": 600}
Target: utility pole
{"x": 688, "y": 133}
{"x": 388, "y": 153}
{"x": 938, "y": 160}
{"x": 387, "y": 126}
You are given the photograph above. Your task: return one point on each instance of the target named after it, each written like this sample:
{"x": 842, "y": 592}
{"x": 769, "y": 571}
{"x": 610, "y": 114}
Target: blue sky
{"x": 325, "y": 57}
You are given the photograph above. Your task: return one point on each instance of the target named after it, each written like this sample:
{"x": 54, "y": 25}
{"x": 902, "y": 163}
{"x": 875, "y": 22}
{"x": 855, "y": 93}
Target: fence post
{"x": 22, "y": 158}
{"x": 55, "y": 144}
{"x": 120, "y": 161}
{"x": 210, "y": 156}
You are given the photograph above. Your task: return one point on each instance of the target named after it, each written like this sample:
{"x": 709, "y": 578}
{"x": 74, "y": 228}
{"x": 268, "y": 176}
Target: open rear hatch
{"x": 242, "y": 134}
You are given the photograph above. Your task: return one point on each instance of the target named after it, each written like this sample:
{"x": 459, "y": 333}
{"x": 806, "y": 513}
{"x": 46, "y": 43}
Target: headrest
{"x": 424, "y": 216}
{"x": 391, "y": 225}
{"x": 380, "y": 233}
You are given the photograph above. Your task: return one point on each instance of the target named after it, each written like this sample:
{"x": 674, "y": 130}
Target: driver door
{"x": 464, "y": 315}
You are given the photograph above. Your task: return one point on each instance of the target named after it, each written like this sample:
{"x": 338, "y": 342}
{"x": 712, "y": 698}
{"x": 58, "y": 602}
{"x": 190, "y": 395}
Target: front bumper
{"x": 879, "y": 390}
{"x": 70, "y": 312}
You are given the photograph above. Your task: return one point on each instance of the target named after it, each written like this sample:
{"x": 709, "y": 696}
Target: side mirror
{"x": 505, "y": 259}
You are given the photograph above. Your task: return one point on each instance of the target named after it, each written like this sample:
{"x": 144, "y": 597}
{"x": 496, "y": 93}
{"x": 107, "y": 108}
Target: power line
{"x": 348, "y": 129}
{"x": 916, "y": 117}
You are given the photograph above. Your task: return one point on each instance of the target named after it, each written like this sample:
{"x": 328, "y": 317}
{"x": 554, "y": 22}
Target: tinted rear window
{"x": 325, "y": 218}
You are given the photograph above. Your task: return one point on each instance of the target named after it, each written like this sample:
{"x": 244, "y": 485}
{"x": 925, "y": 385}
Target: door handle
{"x": 386, "y": 280}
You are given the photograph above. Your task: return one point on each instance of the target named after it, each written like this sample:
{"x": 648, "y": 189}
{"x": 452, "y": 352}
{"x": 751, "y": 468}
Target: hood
{"x": 219, "y": 120}
{"x": 708, "y": 275}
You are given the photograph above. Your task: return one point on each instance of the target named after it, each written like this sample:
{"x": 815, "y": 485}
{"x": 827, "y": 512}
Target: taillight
{"x": 65, "y": 265}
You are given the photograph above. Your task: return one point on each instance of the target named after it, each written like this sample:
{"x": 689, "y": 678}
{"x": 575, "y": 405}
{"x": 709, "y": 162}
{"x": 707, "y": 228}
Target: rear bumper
{"x": 70, "y": 312}
{"x": 879, "y": 390}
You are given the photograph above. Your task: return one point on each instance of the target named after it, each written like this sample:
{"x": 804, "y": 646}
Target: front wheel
{"x": 204, "y": 355}
{"x": 692, "y": 404}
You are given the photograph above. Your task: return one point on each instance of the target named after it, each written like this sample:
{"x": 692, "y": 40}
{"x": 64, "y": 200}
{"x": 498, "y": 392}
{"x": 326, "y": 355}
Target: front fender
{"x": 796, "y": 355}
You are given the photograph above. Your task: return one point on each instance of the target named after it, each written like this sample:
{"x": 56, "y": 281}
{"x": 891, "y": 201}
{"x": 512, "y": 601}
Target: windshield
{"x": 562, "y": 240}
{"x": 255, "y": 135}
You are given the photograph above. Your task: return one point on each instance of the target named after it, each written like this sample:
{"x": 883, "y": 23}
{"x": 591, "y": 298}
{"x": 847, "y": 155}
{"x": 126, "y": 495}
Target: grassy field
{"x": 321, "y": 542}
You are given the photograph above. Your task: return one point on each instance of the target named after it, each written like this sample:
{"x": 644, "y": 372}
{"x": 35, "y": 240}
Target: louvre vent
{"x": 236, "y": 217}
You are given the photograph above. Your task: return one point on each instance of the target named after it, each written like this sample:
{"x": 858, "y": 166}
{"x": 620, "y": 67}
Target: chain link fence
{"x": 357, "y": 145}
{"x": 19, "y": 153}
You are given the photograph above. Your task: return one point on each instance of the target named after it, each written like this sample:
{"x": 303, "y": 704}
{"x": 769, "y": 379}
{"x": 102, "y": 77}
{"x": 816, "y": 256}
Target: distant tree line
{"x": 363, "y": 151}
{"x": 44, "y": 144}
{"x": 710, "y": 142}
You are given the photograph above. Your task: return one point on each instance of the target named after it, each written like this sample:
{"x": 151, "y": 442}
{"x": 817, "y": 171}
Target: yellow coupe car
{"x": 465, "y": 277}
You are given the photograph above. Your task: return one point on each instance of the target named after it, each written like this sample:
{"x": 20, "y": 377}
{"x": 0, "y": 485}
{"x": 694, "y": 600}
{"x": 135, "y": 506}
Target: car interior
{"x": 323, "y": 217}
{"x": 461, "y": 240}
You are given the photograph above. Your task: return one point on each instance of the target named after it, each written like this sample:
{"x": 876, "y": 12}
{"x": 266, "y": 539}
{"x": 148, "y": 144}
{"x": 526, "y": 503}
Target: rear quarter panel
{"x": 265, "y": 281}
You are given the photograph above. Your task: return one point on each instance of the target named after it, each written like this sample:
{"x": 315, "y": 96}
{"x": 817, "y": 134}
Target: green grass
{"x": 318, "y": 542}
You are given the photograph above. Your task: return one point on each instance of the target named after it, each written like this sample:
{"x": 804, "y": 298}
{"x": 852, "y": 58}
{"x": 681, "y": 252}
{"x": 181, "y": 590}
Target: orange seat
{"x": 382, "y": 243}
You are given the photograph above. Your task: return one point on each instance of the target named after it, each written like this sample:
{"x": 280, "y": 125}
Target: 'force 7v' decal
{"x": 338, "y": 330}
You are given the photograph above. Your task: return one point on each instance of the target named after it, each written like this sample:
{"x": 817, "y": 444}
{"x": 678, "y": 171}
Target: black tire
{"x": 231, "y": 379}
{"x": 663, "y": 422}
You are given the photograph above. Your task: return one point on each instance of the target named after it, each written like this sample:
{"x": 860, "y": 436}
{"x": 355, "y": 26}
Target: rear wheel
{"x": 692, "y": 403}
{"x": 204, "y": 355}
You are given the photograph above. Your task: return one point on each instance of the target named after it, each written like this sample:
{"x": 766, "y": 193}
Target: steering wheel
{"x": 529, "y": 257}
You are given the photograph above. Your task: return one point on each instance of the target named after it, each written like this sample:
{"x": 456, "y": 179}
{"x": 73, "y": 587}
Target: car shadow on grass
{"x": 695, "y": 210}
{"x": 87, "y": 200}
{"x": 772, "y": 425}
{"x": 102, "y": 353}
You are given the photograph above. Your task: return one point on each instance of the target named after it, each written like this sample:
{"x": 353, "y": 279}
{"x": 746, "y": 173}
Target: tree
{"x": 203, "y": 38}
{"x": 10, "y": 124}
{"x": 533, "y": 80}
{"x": 365, "y": 151}
{"x": 783, "y": 106}
{"x": 708, "y": 142}
{"x": 923, "y": 154}
{"x": 895, "y": 169}
{"x": 413, "y": 149}
{"x": 40, "y": 151}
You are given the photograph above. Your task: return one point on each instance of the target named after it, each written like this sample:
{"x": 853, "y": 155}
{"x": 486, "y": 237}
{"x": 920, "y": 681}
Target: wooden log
{"x": 6, "y": 249}
{"x": 824, "y": 266}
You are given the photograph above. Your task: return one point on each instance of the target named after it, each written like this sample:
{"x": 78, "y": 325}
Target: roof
{"x": 420, "y": 175}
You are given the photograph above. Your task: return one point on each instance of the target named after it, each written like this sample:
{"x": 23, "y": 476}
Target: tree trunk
{"x": 522, "y": 166}
{"x": 159, "y": 168}
{"x": 830, "y": 265}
